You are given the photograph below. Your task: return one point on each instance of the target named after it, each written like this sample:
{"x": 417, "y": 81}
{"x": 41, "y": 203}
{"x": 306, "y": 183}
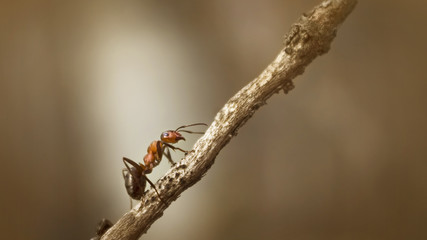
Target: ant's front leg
{"x": 191, "y": 151}
{"x": 175, "y": 148}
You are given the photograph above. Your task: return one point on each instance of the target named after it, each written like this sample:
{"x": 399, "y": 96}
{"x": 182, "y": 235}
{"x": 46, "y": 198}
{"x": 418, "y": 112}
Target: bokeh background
{"x": 84, "y": 83}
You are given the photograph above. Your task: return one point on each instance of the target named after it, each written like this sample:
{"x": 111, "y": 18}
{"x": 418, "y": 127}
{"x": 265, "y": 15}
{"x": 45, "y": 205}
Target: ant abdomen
{"x": 135, "y": 186}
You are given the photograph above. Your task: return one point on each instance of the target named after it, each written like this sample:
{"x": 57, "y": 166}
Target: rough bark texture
{"x": 308, "y": 38}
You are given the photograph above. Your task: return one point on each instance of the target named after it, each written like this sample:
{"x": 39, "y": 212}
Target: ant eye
{"x": 165, "y": 134}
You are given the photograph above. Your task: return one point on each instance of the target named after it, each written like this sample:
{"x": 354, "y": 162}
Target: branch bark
{"x": 308, "y": 38}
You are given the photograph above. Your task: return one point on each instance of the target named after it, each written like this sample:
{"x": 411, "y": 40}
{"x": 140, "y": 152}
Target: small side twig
{"x": 308, "y": 38}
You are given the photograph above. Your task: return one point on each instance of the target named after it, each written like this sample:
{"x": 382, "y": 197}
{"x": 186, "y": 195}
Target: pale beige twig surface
{"x": 308, "y": 38}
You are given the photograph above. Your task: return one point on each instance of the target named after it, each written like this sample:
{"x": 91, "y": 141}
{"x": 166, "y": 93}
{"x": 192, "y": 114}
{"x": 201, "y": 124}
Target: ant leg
{"x": 155, "y": 189}
{"x": 175, "y": 148}
{"x": 168, "y": 156}
{"x": 134, "y": 164}
{"x": 140, "y": 168}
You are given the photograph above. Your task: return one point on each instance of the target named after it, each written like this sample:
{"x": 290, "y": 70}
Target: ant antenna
{"x": 190, "y": 125}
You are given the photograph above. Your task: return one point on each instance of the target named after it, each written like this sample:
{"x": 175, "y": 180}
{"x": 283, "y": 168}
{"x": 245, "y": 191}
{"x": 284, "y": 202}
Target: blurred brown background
{"x": 84, "y": 83}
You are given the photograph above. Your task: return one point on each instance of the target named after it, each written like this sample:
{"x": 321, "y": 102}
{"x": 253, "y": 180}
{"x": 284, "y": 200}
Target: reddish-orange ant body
{"x": 135, "y": 175}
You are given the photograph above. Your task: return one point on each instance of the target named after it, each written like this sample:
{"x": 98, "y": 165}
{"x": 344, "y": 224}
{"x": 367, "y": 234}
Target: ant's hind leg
{"x": 155, "y": 189}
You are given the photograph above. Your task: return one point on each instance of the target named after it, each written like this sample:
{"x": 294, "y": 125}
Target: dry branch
{"x": 308, "y": 38}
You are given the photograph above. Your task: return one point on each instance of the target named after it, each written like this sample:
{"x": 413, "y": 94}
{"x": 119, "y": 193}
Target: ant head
{"x": 171, "y": 136}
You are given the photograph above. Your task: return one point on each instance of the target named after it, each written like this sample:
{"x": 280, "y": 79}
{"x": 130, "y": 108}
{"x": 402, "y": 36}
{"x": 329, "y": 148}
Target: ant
{"x": 103, "y": 226}
{"x": 157, "y": 148}
{"x": 135, "y": 175}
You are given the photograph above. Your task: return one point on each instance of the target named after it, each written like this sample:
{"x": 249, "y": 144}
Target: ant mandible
{"x": 135, "y": 175}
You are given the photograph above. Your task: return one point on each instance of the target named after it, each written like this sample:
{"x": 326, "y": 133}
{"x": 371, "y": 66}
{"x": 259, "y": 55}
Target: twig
{"x": 310, "y": 37}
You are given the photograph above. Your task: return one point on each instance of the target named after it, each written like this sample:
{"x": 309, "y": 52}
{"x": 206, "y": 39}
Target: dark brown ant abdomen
{"x": 135, "y": 187}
